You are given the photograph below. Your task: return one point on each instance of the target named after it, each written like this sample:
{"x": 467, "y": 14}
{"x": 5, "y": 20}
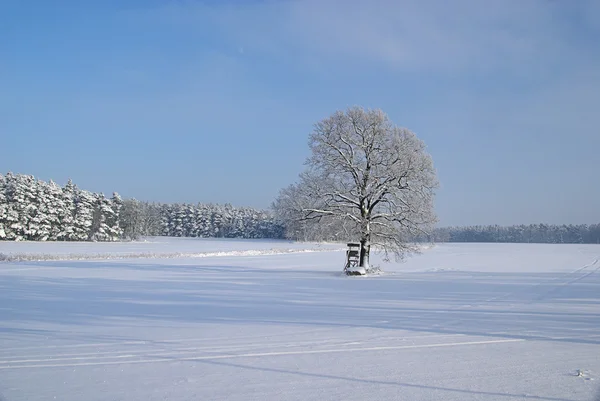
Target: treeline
{"x": 533, "y": 233}
{"x": 196, "y": 220}
{"x": 35, "y": 210}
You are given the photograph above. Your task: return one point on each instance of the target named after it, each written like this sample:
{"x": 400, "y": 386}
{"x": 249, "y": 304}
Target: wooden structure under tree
{"x": 352, "y": 266}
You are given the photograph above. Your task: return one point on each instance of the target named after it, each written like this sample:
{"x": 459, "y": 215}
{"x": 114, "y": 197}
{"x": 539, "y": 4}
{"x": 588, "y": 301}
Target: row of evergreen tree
{"x": 36, "y": 210}
{"x": 197, "y": 220}
{"x": 533, "y": 233}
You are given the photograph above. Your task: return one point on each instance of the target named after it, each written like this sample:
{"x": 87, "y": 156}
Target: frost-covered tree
{"x": 22, "y": 206}
{"x": 66, "y": 229}
{"x": 205, "y": 224}
{"x": 3, "y": 208}
{"x": 105, "y": 218}
{"x": 218, "y": 220}
{"x": 42, "y": 213}
{"x": 83, "y": 218}
{"x": 11, "y": 215}
{"x": 366, "y": 176}
{"x": 190, "y": 226}
{"x": 113, "y": 217}
{"x": 54, "y": 207}
{"x": 166, "y": 212}
{"x": 178, "y": 221}
{"x": 196, "y": 218}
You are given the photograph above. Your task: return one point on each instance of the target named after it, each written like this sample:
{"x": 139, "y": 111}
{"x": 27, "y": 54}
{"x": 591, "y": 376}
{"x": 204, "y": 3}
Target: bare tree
{"x": 368, "y": 178}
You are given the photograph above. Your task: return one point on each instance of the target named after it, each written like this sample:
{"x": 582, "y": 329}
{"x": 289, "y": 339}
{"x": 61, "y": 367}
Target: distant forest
{"x": 35, "y": 210}
{"x": 533, "y": 233}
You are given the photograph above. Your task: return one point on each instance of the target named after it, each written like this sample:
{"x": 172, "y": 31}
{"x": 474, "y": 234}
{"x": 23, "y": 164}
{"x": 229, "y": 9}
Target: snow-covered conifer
{"x": 83, "y": 216}
{"x": 3, "y": 208}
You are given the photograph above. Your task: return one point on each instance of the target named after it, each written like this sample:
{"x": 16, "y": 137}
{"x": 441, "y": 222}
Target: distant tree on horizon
{"x": 532, "y": 233}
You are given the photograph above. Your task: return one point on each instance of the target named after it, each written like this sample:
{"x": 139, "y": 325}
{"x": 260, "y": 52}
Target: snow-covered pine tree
{"x": 29, "y": 206}
{"x": 97, "y": 229}
{"x": 166, "y": 212}
{"x": 113, "y": 218}
{"x": 251, "y": 223}
{"x": 221, "y": 219}
{"x": 84, "y": 215}
{"x": 20, "y": 193}
{"x": 197, "y": 221}
{"x": 40, "y": 212}
{"x": 3, "y": 208}
{"x": 35, "y": 209}
{"x": 234, "y": 225}
{"x": 179, "y": 220}
{"x": 204, "y": 221}
{"x": 11, "y": 215}
{"x": 216, "y": 221}
{"x": 66, "y": 214}
{"x": 104, "y": 220}
{"x": 190, "y": 225}
{"x": 53, "y": 208}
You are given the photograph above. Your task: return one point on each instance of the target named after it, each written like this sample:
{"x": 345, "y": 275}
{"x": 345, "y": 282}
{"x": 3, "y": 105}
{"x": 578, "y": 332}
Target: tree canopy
{"x": 366, "y": 178}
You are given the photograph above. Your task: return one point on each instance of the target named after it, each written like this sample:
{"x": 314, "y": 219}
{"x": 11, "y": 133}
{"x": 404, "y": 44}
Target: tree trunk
{"x": 365, "y": 249}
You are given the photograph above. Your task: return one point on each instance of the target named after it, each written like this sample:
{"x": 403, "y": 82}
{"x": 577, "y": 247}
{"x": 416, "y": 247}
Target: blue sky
{"x": 213, "y": 101}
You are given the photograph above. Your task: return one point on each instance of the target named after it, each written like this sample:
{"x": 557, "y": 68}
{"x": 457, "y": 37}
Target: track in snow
{"x": 137, "y": 356}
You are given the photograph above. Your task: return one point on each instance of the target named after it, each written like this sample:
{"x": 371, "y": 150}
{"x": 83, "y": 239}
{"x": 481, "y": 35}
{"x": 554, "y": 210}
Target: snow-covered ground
{"x": 260, "y": 320}
{"x": 152, "y": 247}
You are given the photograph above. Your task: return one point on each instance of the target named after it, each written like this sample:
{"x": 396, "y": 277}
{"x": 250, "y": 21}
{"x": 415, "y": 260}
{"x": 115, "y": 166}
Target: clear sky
{"x": 213, "y": 101}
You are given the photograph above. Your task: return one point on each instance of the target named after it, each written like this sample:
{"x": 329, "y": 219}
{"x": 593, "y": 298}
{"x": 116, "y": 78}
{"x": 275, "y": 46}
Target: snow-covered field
{"x": 258, "y": 320}
{"x": 152, "y": 247}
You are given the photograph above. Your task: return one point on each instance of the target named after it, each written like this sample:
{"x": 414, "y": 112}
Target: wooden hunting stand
{"x": 352, "y": 266}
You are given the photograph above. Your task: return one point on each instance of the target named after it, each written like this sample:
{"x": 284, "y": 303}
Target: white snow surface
{"x": 261, "y": 320}
{"x": 152, "y": 247}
